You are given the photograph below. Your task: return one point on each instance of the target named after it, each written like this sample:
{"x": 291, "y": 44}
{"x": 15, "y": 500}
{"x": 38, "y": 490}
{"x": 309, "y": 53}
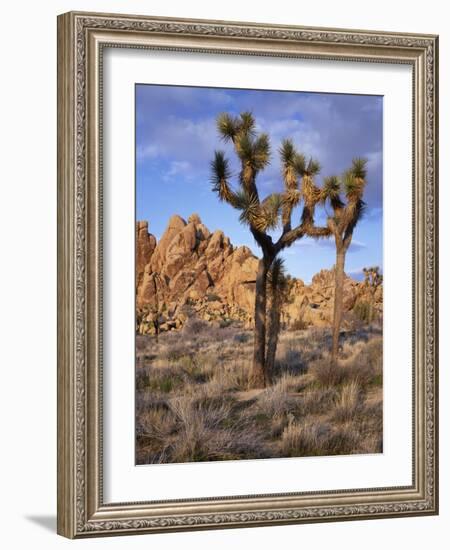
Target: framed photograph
{"x": 247, "y": 283}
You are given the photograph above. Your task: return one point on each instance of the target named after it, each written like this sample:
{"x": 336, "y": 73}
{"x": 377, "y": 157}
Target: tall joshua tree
{"x": 263, "y": 215}
{"x": 277, "y": 285}
{"x": 346, "y": 216}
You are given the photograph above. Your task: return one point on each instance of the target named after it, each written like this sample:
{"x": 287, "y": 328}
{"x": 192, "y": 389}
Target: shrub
{"x": 291, "y": 362}
{"x": 317, "y": 439}
{"x": 202, "y": 434}
{"x": 325, "y": 374}
{"x": 363, "y": 311}
{"x": 231, "y": 377}
{"x": 304, "y": 440}
{"x": 275, "y": 400}
{"x": 348, "y": 402}
{"x": 155, "y": 423}
{"x": 172, "y": 352}
{"x": 298, "y": 324}
{"x": 213, "y": 297}
{"x": 363, "y": 366}
{"x": 317, "y": 401}
{"x": 194, "y": 326}
{"x": 141, "y": 379}
{"x": 241, "y": 337}
{"x": 165, "y": 381}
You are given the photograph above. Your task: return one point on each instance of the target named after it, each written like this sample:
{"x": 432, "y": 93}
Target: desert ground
{"x": 193, "y": 401}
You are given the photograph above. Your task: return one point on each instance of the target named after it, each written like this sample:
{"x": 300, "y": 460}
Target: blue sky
{"x": 176, "y": 138}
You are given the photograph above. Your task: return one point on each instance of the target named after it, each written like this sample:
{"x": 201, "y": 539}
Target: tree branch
{"x": 287, "y": 238}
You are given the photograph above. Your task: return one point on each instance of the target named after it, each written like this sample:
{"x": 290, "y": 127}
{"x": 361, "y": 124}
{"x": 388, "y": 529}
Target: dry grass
{"x": 193, "y": 401}
{"x": 317, "y": 439}
{"x": 348, "y": 403}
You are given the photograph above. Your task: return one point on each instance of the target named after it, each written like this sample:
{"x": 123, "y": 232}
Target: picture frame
{"x": 82, "y": 41}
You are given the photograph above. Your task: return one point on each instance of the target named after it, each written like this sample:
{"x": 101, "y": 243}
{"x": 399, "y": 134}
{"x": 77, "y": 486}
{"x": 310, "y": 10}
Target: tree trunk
{"x": 338, "y": 303}
{"x": 273, "y": 331}
{"x": 258, "y": 372}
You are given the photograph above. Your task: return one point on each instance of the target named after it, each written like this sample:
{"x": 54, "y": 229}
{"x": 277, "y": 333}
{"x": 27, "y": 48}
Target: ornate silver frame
{"x": 81, "y": 39}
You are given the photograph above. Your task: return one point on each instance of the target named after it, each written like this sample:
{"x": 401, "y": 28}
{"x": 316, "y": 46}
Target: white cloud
{"x": 178, "y": 167}
{"x": 374, "y": 159}
{"x": 148, "y": 151}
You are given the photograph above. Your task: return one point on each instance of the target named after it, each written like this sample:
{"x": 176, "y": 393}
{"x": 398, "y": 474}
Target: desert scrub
{"x": 307, "y": 409}
{"x": 231, "y": 378}
{"x": 298, "y": 324}
{"x": 165, "y": 384}
{"x": 317, "y": 439}
{"x": 163, "y": 380}
{"x": 172, "y": 353}
{"x": 275, "y": 400}
{"x": 204, "y": 433}
{"x": 348, "y": 403}
{"x": 316, "y": 401}
{"x": 156, "y": 423}
{"x": 362, "y": 365}
{"x": 301, "y": 439}
{"x": 364, "y": 311}
{"x": 241, "y": 337}
{"x": 291, "y": 360}
{"x": 326, "y": 375}
{"x": 194, "y": 326}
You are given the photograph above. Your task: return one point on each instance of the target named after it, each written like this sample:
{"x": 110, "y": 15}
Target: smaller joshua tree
{"x": 372, "y": 280}
{"x": 346, "y": 216}
{"x": 277, "y": 282}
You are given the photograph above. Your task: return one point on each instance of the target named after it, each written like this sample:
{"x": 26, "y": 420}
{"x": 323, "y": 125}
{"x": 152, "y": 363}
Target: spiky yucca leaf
{"x": 310, "y": 192}
{"x": 253, "y": 153}
{"x": 353, "y": 186}
{"x": 220, "y": 168}
{"x": 270, "y": 211}
{"x": 220, "y": 174}
{"x": 277, "y": 277}
{"x": 292, "y": 197}
{"x": 331, "y": 187}
{"x": 330, "y": 191}
{"x": 359, "y": 169}
{"x": 313, "y": 167}
{"x": 293, "y": 163}
{"x": 250, "y": 209}
{"x": 247, "y": 123}
{"x": 244, "y": 148}
{"x": 228, "y": 126}
{"x": 354, "y": 211}
{"x": 290, "y": 178}
{"x": 261, "y": 152}
{"x": 287, "y": 152}
{"x": 300, "y": 164}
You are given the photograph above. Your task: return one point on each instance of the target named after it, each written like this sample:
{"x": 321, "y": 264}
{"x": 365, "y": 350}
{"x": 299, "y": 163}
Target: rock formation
{"x": 192, "y": 272}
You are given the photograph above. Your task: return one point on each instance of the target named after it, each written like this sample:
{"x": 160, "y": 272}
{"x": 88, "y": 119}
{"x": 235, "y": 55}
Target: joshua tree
{"x": 263, "y": 215}
{"x": 342, "y": 224}
{"x": 372, "y": 280}
{"x": 277, "y": 282}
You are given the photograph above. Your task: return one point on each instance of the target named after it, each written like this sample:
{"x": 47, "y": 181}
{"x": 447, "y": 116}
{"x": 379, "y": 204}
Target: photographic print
{"x": 259, "y": 274}
{"x": 247, "y": 283}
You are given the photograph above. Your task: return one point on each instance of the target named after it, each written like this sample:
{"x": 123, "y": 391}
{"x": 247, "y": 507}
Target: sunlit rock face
{"x": 192, "y": 271}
